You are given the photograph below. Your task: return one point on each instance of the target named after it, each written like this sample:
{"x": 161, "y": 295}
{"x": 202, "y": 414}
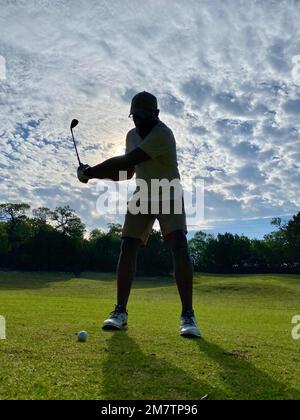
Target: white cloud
{"x": 226, "y": 76}
{"x": 2, "y": 68}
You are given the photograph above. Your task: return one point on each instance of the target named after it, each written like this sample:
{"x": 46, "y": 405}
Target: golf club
{"x": 74, "y": 124}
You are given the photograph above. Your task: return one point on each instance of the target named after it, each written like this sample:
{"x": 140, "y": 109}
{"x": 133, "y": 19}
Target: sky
{"x": 226, "y": 74}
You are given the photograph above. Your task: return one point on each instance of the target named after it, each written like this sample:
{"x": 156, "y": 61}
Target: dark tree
{"x": 292, "y": 233}
{"x": 66, "y": 222}
{"x": 15, "y": 216}
{"x": 54, "y": 240}
{"x": 156, "y": 258}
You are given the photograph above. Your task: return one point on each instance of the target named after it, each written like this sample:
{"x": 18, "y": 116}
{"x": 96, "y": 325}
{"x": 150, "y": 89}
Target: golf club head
{"x": 74, "y": 123}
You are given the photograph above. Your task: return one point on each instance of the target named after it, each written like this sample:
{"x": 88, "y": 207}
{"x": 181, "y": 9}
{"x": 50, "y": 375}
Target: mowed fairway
{"x": 247, "y": 351}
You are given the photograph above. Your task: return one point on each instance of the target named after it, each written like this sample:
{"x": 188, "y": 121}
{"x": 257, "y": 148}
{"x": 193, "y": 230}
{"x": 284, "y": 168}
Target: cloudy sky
{"x": 226, "y": 73}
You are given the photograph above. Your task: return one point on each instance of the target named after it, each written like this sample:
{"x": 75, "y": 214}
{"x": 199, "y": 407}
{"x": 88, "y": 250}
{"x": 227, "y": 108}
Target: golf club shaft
{"x": 80, "y": 164}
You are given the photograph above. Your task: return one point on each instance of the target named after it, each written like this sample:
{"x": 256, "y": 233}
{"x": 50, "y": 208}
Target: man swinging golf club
{"x": 151, "y": 154}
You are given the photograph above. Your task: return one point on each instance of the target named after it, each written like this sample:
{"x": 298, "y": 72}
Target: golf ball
{"x": 82, "y": 336}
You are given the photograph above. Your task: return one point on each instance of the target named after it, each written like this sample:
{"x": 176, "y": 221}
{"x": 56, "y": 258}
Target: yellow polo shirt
{"x": 160, "y": 145}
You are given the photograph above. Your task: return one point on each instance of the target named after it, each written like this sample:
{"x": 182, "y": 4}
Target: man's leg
{"x": 183, "y": 268}
{"x": 184, "y": 278}
{"x": 127, "y": 268}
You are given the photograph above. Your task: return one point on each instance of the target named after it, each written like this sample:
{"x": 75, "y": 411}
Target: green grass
{"x": 247, "y": 351}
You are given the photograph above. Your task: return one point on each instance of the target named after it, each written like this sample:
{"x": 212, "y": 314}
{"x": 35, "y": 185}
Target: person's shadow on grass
{"x": 241, "y": 379}
{"x": 128, "y": 373}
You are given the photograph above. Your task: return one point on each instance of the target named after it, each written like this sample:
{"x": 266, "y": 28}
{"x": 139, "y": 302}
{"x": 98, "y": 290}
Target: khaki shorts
{"x": 140, "y": 226}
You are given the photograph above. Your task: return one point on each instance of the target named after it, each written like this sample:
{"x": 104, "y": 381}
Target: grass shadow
{"x": 128, "y": 373}
{"x": 242, "y": 379}
{"x": 26, "y": 280}
{"x": 23, "y": 280}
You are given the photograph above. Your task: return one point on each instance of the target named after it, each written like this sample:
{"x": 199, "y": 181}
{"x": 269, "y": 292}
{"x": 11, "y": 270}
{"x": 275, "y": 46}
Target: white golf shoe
{"x": 188, "y": 325}
{"x": 117, "y": 319}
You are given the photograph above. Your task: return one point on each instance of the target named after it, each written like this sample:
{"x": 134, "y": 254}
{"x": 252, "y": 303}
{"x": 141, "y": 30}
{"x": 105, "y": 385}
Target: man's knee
{"x": 129, "y": 246}
{"x": 177, "y": 241}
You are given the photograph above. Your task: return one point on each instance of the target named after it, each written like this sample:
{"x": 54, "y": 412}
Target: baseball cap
{"x": 143, "y": 104}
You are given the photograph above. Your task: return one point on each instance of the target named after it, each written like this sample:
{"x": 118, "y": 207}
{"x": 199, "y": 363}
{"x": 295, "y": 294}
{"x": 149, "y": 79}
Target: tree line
{"x": 56, "y": 240}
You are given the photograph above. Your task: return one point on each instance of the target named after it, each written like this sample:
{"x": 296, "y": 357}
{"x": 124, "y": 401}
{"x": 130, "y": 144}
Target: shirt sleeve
{"x": 127, "y": 146}
{"x": 158, "y": 143}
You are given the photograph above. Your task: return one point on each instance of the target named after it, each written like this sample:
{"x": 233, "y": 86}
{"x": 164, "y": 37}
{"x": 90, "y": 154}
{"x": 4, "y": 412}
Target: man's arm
{"x": 110, "y": 168}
